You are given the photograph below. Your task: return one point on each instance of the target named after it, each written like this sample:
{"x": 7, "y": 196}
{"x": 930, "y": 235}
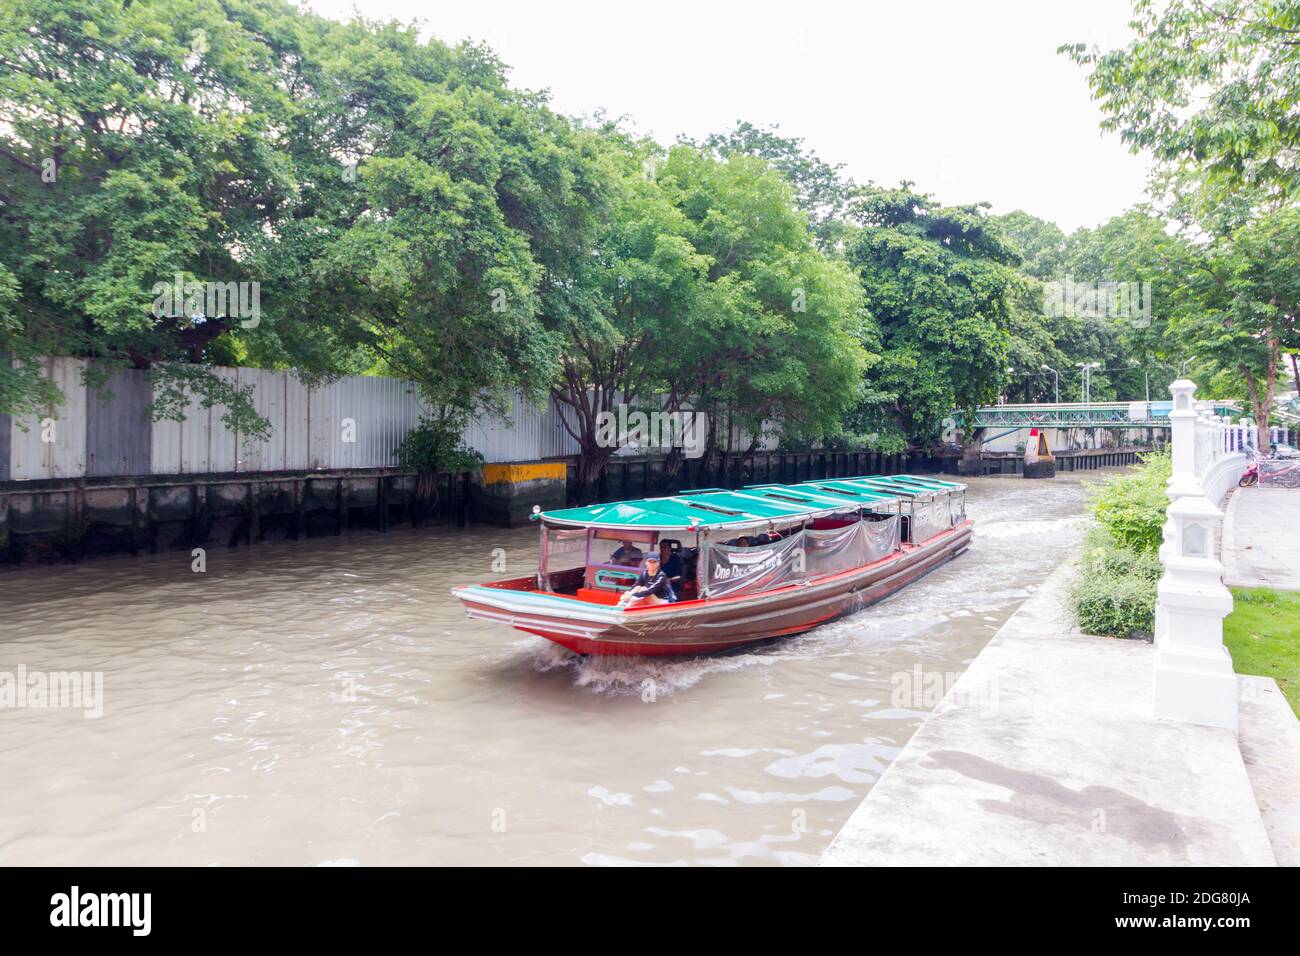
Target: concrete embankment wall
{"x": 54, "y": 520}
{"x": 72, "y": 519}
{"x": 1013, "y": 463}
{"x": 97, "y": 474}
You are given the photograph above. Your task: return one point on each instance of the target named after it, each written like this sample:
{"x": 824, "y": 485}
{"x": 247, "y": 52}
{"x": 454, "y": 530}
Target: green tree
{"x": 139, "y": 141}
{"x": 702, "y": 289}
{"x": 1041, "y": 244}
{"x": 1208, "y": 85}
{"x": 821, "y": 190}
{"x": 1129, "y": 338}
{"x": 618, "y": 301}
{"x": 434, "y": 252}
{"x": 939, "y": 283}
{"x": 1238, "y": 306}
{"x": 778, "y": 332}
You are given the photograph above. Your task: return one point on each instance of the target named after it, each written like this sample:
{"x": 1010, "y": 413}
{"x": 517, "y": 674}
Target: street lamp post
{"x": 1056, "y": 381}
{"x": 1085, "y": 385}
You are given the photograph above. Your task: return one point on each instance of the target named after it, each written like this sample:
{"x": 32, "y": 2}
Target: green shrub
{"x": 434, "y": 445}
{"x": 1103, "y": 555}
{"x": 1131, "y": 507}
{"x": 1115, "y": 594}
{"x": 1114, "y": 605}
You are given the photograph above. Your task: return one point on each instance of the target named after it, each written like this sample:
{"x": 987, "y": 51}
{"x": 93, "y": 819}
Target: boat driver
{"x": 671, "y": 563}
{"x": 627, "y": 554}
{"x": 652, "y": 587}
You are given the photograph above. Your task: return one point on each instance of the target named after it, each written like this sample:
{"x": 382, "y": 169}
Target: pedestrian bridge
{"x": 1083, "y": 415}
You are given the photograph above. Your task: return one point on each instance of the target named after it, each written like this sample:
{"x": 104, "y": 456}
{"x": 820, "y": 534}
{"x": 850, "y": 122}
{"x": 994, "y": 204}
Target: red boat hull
{"x": 704, "y": 626}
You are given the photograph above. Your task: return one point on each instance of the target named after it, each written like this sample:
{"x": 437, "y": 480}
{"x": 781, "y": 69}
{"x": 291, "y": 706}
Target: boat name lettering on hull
{"x": 663, "y": 627}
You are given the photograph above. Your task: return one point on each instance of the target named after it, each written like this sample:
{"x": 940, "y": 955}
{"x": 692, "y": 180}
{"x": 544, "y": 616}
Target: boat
{"x": 763, "y": 561}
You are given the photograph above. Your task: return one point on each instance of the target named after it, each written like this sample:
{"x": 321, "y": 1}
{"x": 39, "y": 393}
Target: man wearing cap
{"x": 652, "y": 587}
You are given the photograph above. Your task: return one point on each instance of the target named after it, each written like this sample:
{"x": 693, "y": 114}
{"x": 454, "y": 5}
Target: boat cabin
{"x": 723, "y": 543}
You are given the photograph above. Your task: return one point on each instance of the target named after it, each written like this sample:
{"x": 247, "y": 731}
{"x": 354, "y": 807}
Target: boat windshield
{"x": 615, "y": 548}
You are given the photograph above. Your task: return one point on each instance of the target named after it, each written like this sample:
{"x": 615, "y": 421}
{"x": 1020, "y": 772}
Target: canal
{"x": 327, "y": 702}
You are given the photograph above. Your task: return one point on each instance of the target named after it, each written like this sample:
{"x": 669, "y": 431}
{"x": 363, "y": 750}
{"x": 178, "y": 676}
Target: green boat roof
{"x": 751, "y": 506}
{"x": 928, "y": 482}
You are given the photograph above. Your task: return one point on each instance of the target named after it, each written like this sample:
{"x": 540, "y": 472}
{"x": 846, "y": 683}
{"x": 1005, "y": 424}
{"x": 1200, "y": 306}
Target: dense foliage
{"x": 393, "y": 205}
{"x": 1131, "y": 507}
{"x": 1115, "y": 592}
{"x": 1212, "y": 89}
{"x": 939, "y": 284}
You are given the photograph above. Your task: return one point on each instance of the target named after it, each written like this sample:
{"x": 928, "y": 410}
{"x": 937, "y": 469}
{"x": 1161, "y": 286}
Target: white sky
{"x": 968, "y": 100}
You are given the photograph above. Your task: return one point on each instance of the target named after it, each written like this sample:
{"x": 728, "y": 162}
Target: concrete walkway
{"x": 1270, "y": 746}
{"x": 1261, "y": 539}
{"x": 1045, "y": 752}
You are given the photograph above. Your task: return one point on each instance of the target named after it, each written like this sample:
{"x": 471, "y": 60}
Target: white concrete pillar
{"x": 1194, "y": 680}
{"x": 1182, "y": 481}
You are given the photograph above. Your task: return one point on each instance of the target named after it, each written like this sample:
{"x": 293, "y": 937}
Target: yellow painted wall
{"x": 495, "y": 474}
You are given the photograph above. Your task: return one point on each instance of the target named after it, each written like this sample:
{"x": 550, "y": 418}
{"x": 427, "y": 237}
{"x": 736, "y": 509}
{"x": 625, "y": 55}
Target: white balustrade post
{"x": 1182, "y": 439}
{"x": 1182, "y": 480}
{"x": 1193, "y": 678}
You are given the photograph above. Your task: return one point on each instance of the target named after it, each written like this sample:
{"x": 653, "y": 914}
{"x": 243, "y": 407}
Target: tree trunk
{"x": 1264, "y": 403}
{"x": 672, "y": 465}
{"x": 593, "y": 459}
{"x": 710, "y": 448}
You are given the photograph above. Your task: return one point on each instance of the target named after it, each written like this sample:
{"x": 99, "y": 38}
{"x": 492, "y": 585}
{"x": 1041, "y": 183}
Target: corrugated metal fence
{"x": 355, "y": 422}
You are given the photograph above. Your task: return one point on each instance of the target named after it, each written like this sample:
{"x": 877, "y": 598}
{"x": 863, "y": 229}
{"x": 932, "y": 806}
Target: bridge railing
{"x": 1083, "y": 414}
{"x": 1193, "y": 677}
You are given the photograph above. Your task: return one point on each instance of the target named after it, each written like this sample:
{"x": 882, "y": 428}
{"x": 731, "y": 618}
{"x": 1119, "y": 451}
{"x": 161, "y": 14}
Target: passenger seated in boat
{"x": 651, "y": 588}
{"x": 671, "y": 564}
{"x": 743, "y": 541}
{"x": 627, "y": 553}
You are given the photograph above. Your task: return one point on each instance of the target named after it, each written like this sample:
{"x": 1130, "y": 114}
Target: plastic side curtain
{"x": 881, "y": 537}
{"x": 828, "y": 552}
{"x": 562, "y": 549}
{"x": 808, "y": 554}
{"x": 947, "y": 510}
{"x": 731, "y": 571}
{"x": 929, "y": 517}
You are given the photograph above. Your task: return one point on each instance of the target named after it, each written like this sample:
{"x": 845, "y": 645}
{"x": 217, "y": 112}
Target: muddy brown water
{"x": 327, "y": 702}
